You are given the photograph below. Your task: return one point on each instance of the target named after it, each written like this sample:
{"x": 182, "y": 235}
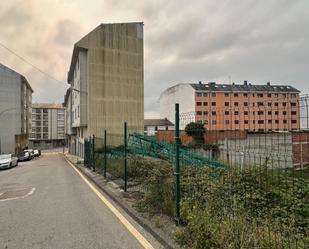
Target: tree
{"x": 196, "y": 131}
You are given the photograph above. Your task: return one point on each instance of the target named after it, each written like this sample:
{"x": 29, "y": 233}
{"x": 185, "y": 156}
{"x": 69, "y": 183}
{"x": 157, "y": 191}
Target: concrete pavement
{"x": 62, "y": 211}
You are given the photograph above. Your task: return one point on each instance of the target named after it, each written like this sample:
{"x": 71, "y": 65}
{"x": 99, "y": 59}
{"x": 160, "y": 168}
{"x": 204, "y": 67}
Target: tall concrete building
{"x": 48, "y": 125}
{"x": 107, "y": 82}
{"x": 234, "y": 106}
{"x": 15, "y": 110}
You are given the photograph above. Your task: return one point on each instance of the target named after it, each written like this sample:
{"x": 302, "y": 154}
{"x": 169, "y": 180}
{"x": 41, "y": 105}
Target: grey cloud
{"x": 185, "y": 41}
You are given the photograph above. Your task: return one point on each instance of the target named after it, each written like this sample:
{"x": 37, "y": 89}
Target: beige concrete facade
{"x": 107, "y": 80}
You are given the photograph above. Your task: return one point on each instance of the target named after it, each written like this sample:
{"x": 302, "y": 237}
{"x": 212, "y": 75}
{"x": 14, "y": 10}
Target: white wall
{"x": 184, "y": 94}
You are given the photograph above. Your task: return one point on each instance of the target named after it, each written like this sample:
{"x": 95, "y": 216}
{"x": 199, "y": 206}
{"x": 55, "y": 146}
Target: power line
{"x": 29, "y": 63}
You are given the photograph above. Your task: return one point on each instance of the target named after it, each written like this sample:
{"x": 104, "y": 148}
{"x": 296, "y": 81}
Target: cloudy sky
{"x": 185, "y": 41}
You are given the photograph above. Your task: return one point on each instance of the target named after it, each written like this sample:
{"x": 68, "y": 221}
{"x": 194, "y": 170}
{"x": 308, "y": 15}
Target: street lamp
{"x": 6, "y": 110}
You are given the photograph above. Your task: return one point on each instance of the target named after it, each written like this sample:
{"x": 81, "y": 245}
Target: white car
{"x": 8, "y": 161}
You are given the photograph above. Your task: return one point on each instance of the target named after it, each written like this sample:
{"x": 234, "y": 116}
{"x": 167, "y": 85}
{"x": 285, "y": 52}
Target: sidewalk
{"x": 74, "y": 159}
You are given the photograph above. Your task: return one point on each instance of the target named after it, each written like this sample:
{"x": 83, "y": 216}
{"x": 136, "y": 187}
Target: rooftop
{"x": 245, "y": 87}
{"x": 47, "y": 105}
{"x": 157, "y": 122}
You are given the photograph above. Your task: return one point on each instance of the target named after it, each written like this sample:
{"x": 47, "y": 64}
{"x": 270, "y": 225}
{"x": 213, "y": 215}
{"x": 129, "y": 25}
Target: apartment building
{"x": 48, "y": 125}
{"x": 15, "y": 110}
{"x": 106, "y": 78}
{"x": 244, "y": 106}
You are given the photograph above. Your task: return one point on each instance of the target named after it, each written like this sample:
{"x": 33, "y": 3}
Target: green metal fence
{"x": 236, "y": 192}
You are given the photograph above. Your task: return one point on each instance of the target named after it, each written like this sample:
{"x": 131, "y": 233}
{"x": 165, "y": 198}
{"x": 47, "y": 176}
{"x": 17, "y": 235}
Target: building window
{"x": 235, "y": 95}
{"x": 260, "y": 103}
{"x": 205, "y": 94}
{"x": 213, "y": 122}
{"x": 246, "y": 121}
{"x": 214, "y": 113}
{"x": 277, "y": 121}
{"x": 245, "y": 103}
{"x": 260, "y": 113}
{"x": 236, "y": 122}
{"x": 284, "y": 112}
{"x": 284, "y": 95}
{"x": 198, "y": 103}
{"x": 205, "y": 112}
{"x": 260, "y": 95}
{"x": 227, "y": 122}
{"x": 205, "y": 103}
{"x": 276, "y": 112}
{"x": 206, "y": 122}
{"x": 276, "y": 95}
{"x": 294, "y": 121}
{"x": 246, "y": 95}
{"x": 269, "y": 95}
{"x": 276, "y": 104}
{"x": 213, "y": 94}
{"x": 269, "y": 112}
{"x": 198, "y": 94}
{"x": 226, "y": 103}
{"x": 236, "y": 113}
{"x": 235, "y": 103}
{"x": 226, "y": 94}
{"x": 283, "y": 103}
{"x": 199, "y": 113}
{"x": 269, "y": 103}
{"x": 227, "y": 113}
{"x": 246, "y": 113}
{"x": 293, "y": 113}
{"x": 284, "y": 121}
{"x": 260, "y": 121}
{"x": 213, "y": 103}
{"x": 293, "y": 95}
{"x": 293, "y": 104}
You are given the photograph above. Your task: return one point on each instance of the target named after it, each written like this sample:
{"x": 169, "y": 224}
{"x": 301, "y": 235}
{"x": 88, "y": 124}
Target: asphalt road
{"x": 45, "y": 204}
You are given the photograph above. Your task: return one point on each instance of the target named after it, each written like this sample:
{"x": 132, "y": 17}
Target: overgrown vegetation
{"x": 238, "y": 208}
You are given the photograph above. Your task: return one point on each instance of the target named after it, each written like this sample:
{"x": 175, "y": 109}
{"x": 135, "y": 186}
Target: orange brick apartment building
{"x": 234, "y": 106}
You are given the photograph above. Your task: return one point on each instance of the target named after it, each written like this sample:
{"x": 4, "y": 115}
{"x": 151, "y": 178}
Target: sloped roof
{"x": 157, "y": 122}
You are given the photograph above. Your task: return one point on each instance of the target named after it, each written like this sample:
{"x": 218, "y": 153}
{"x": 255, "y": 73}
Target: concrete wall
{"x": 182, "y": 94}
{"x": 109, "y": 65}
{"x": 10, "y": 100}
{"x": 272, "y": 150}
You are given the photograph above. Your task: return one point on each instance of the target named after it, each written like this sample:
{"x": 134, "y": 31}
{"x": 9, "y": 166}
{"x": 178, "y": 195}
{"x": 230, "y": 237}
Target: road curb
{"x": 98, "y": 181}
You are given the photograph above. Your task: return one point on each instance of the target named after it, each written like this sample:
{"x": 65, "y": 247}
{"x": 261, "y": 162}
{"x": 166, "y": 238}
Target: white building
{"x": 184, "y": 94}
{"x": 48, "y": 125}
{"x": 152, "y": 126}
{"x": 15, "y": 110}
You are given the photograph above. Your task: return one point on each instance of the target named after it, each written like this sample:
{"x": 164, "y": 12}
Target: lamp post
{"x": 6, "y": 110}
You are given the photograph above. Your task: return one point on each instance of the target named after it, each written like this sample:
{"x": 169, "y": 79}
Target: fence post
{"x": 105, "y": 154}
{"x": 177, "y": 176}
{"x": 125, "y": 158}
{"x": 93, "y": 149}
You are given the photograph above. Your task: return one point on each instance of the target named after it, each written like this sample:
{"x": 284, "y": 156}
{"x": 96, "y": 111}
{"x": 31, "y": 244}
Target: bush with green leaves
{"x": 196, "y": 130}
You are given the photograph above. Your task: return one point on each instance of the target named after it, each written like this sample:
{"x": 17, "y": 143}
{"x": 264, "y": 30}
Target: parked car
{"x": 37, "y": 152}
{"x": 31, "y": 152}
{"x": 24, "y": 156}
{"x": 8, "y": 161}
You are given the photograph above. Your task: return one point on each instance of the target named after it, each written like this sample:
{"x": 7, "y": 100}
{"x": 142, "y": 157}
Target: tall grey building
{"x": 106, "y": 76}
{"x": 15, "y": 110}
{"x": 48, "y": 125}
